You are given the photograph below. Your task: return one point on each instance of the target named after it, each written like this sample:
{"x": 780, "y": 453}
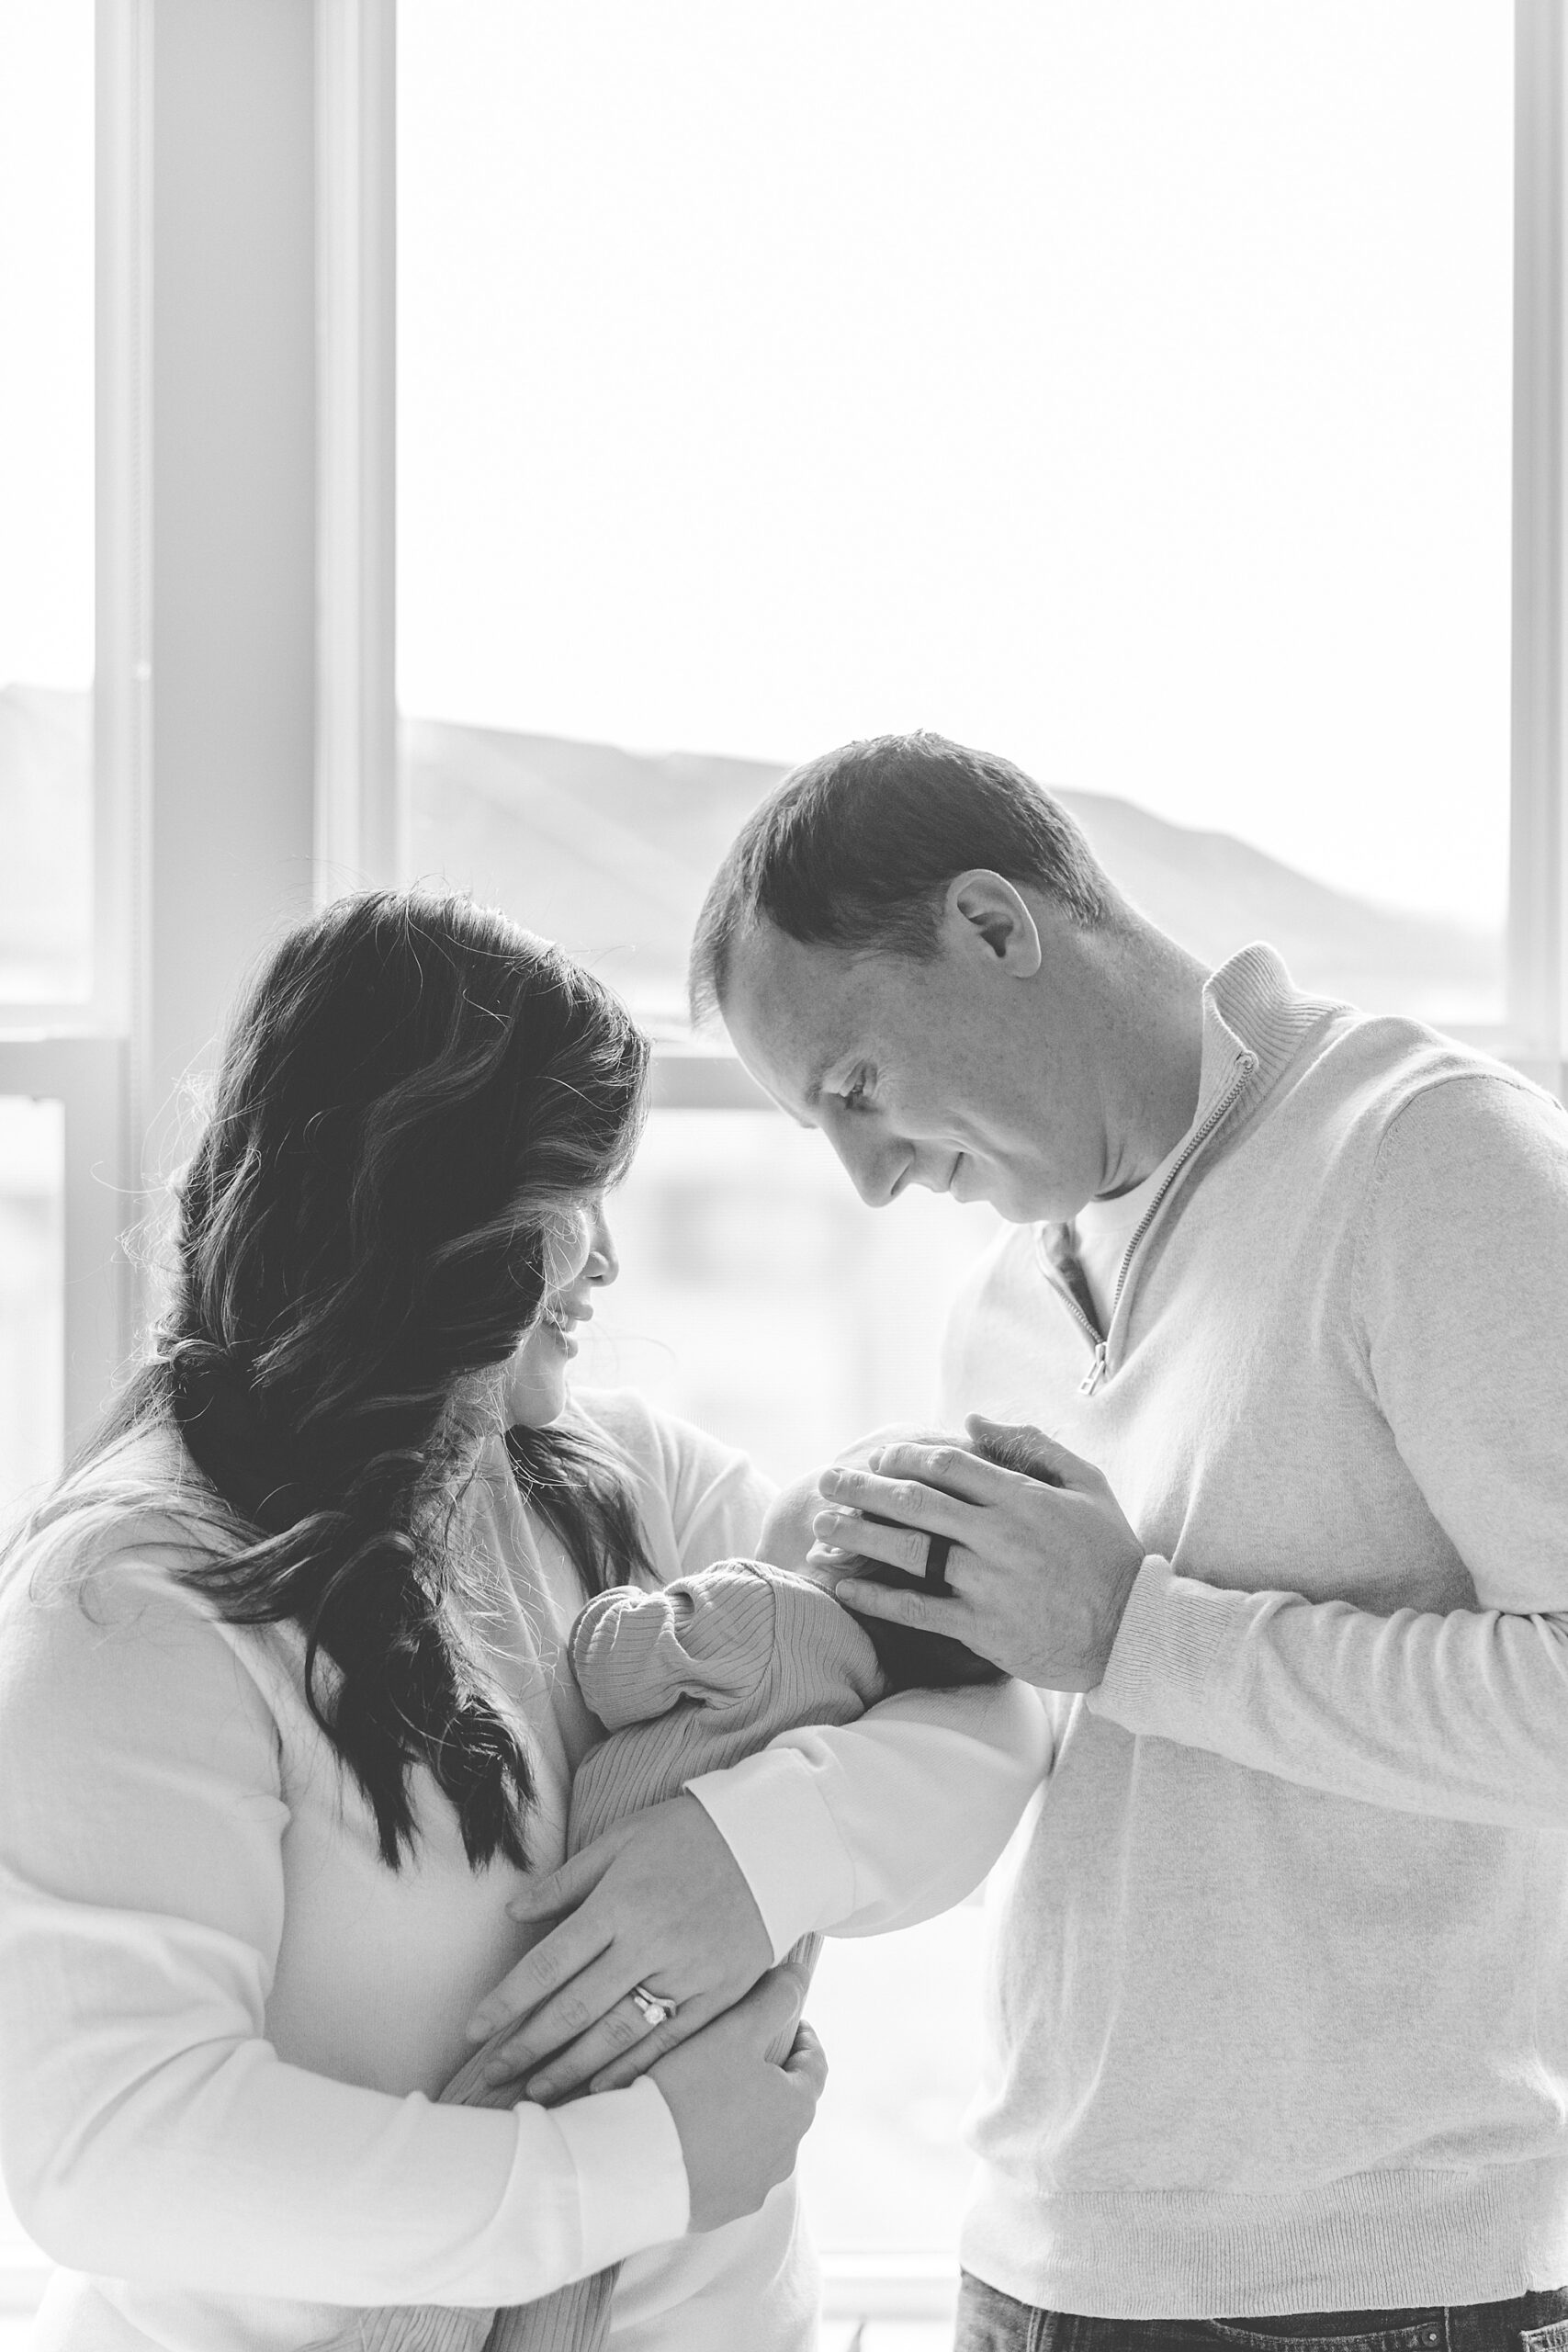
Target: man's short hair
{"x": 856, "y": 850}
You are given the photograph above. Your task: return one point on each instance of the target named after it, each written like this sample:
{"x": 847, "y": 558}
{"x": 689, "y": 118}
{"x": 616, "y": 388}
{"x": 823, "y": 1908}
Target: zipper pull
{"x": 1096, "y": 1372}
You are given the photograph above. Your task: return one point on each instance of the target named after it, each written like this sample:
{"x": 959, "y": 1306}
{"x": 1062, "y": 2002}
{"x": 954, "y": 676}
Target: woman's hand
{"x": 1042, "y": 1560}
{"x": 659, "y": 1902}
{"x": 741, "y": 2110}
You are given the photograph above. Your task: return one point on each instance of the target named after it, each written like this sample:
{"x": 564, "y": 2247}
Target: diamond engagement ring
{"x": 655, "y": 2011}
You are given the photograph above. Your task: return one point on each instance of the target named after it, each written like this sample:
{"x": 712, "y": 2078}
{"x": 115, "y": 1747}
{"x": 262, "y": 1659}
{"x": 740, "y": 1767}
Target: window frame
{"x": 1536, "y": 1040}
{"x": 316, "y": 80}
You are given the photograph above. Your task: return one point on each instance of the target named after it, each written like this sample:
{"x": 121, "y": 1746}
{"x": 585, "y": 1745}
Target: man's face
{"x": 957, "y": 1074}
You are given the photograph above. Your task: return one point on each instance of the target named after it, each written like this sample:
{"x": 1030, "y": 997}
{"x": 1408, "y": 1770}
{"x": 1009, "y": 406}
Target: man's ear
{"x": 985, "y": 909}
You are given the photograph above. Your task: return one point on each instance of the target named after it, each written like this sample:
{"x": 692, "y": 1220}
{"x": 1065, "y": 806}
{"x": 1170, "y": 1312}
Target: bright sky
{"x": 46, "y": 351}
{"x": 1123, "y": 387}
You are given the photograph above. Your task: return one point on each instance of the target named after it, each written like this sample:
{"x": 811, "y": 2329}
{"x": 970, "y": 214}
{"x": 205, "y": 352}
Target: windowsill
{"x": 888, "y": 2283}
{"x": 22, "y": 2275}
{"x": 872, "y": 2282}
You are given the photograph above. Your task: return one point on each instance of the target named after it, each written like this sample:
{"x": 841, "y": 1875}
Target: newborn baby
{"x": 688, "y": 1678}
{"x": 909, "y": 1658}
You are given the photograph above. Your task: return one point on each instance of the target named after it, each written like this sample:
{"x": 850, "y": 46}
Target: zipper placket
{"x": 1198, "y": 1138}
{"x": 1070, "y": 1303}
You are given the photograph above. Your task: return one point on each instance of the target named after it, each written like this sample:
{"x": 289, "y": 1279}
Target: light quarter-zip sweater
{"x": 1279, "y": 2013}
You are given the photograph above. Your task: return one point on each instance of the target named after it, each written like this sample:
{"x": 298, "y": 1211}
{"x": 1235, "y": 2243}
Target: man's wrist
{"x": 1116, "y": 1616}
{"x": 1162, "y": 1656}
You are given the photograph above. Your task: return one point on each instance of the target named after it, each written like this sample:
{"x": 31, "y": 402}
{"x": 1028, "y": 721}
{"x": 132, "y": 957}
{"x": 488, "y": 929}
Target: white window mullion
{"x": 1538, "y": 970}
{"x": 229, "y": 792}
{"x": 122, "y": 619}
{"x": 358, "y": 801}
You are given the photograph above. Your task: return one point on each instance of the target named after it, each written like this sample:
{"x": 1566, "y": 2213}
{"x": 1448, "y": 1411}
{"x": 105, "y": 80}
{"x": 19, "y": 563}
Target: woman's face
{"x": 579, "y": 1257}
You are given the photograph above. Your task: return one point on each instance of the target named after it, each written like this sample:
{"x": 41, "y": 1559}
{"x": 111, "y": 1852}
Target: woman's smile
{"x": 535, "y": 1378}
{"x": 560, "y": 1321}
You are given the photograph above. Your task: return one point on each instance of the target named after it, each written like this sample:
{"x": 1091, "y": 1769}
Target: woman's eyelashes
{"x": 857, "y": 1095}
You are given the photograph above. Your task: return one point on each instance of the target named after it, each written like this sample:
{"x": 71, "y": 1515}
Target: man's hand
{"x": 659, "y": 1901}
{"x": 1042, "y": 1560}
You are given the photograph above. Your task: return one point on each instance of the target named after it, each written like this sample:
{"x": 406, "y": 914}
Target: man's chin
{"x": 1016, "y": 1204}
{"x": 969, "y": 1181}
{"x": 972, "y": 1181}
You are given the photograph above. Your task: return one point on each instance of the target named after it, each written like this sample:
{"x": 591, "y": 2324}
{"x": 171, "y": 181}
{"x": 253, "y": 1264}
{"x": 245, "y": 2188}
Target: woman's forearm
{"x": 876, "y": 1824}
{"x": 223, "y": 2170}
{"x": 148, "y": 2126}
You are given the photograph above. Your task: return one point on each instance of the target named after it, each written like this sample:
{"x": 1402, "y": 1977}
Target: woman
{"x": 283, "y": 1722}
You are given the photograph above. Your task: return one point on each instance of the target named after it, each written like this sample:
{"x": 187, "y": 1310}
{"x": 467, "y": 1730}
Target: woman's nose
{"x": 602, "y": 1263}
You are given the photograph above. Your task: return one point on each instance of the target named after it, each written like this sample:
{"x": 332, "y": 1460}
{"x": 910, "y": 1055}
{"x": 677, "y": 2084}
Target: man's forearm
{"x": 1461, "y": 1715}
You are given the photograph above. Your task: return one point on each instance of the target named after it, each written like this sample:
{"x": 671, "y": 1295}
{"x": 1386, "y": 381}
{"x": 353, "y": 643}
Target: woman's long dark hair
{"x": 412, "y": 1094}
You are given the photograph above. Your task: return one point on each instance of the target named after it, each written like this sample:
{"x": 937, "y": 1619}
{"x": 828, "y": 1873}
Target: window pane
{"x": 760, "y": 1298}
{"x": 15, "y": 2330}
{"x": 1126, "y": 388}
{"x": 32, "y": 1356}
{"x": 46, "y": 499}
{"x": 884, "y": 2162}
{"x": 32, "y": 1294}
{"x": 602, "y": 850}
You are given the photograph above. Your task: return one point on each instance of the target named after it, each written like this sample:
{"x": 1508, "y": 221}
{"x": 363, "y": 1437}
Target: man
{"x": 1281, "y": 2005}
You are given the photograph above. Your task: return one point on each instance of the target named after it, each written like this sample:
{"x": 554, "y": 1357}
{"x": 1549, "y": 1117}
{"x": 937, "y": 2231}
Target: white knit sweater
{"x": 225, "y": 2022}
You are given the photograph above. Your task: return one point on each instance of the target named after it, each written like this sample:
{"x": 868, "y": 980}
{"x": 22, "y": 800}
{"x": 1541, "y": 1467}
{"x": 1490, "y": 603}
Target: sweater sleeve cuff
{"x": 631, "y": 2173}
{"x": 1170, "y": 1651}
{"x": 771, "y": 1813}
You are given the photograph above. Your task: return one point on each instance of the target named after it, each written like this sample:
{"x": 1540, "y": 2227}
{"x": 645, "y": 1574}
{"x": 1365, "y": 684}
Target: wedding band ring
{"x": 937, "y": 1549}
{"x": 655, "y": 2011}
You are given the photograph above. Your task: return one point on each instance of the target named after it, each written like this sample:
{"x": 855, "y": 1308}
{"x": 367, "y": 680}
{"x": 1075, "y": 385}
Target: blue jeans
{"x": 989, "y": 2321}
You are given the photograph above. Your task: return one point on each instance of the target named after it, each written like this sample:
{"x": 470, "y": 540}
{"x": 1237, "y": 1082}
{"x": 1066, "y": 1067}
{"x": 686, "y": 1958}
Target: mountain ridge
{"x": 510, "y": 815}
{"x": 611, "y": 851}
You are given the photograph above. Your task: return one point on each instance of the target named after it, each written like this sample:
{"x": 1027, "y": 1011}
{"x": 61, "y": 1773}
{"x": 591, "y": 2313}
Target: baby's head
{"x": 910, "y": 1659}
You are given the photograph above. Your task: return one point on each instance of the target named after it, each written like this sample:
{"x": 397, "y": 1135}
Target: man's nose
{"x": 875, "y": 1165}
